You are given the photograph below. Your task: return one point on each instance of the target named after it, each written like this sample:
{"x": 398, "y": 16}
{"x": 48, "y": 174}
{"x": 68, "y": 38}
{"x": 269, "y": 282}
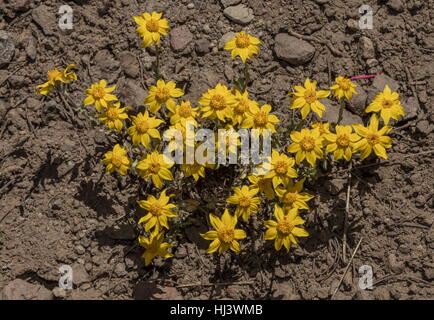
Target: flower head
{"x": 284, "y": 229}
{"x": 292, "y": 197}
{"x": 372, "y": 139}
{"x": 228, "y": 140}
{"x": 341, "y": 143}
{"x": 55, "y": 77}
{"x": 281, "y": 169}
{"x": 151, "y": 27}
{"x": 112, "y": 116}
{"x": 344, "y": 88}
{"x": 217, "y": 102}
{"x": 307, "y": 98}
{"x": 239, "y": 110}
{"x": 143, "y": 129}
{"x": 182, "y": 113}
{"x": 99, "y": 95}
{"x": 388, "y": 104}
{"x": 245, "y": 200}
{"x": 263, "y": 184}
{"x": 162, "y": 93}
{"x": 159, "y": 209}
{"x": 224, "y": 236}
{"x": 154, "y": 246}
{"x": 117, "y": 160}
{"x": 306, "y": 144}
{"x": 195, "y": 170}
{"x": 259, "y": 118}
{"x": 156, "y": 166}
{"x": 243, "y": 45}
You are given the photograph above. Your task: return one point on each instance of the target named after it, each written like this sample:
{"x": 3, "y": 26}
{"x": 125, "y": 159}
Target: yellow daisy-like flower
{"x": 344, "y": 88}
{"x": 372, "y": 139}
{"x": 284, "y": 229}
{"x": 170, "y": 135}
{"x": 112, "y": 116}
{"x": 161, "y": 94}
{"x": 388, "y": 104}
{"x": 182, "y": 113}
{"x": 259, "y": 118}
{"x": 324, "y": 129}
{"x": 245, "y": 200}
{"x": 228, "y": 140}
{"x": 158, "y": 211}
{"x": 307, "y": 98}
{"x": 281, "y": 169}
{"x": 224, "y": 236}
{"x": 144, "y": 128}
{"x": 151, "y": 27}
{"x": 99, "y": 95}
{"x": 341, "y": 143}
{"x": 243, "y": 45}
{"x": 292, "y": 197}
{"x": 117, "y": 160}
{"x": 156, "y": 166}
{"x": 263, "y": 184}
{"x": 196, "y": 170}
{"x": 154, "y": 246}
{"x": 56, "y": 76}
{"x": 217, "y": 102}
{"x": 238, "y": 112}
{"x": 307, "y": 145}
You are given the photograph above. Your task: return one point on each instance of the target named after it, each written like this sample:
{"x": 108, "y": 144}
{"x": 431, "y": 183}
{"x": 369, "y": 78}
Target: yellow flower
{"x": 144, "y": 128}
{"x": 151, "y": 27}
{"x": 292, "y": 197}
{"x": 56, "y": 76}
{"x": 229, "y": 139}
{"x": 243, "y": 45}
{"x": 307, "y": 97}
{"x": 224, "y": 236}
{"x": 182, "y": 113}
{"x": 307, "y": 145}
{"x": 324, "y": 129}
{"x": 196, "y": 170}
{"x": 263, "y": 184}
{"x": 217, "y": 102}
{"x": 281, "y": 169}
{"x": 161, "y": 94}
{"x": 260, "y": 119}
{"x": 372, "y": 139}
{"x": 238, "y": 111}
{"x": 154, "y": 246}
{"x": 284, "y": 229}
{"x": 158, "y": 211}
{"x": 174, "y": 143}
{"x": 388, "y": 104}
{"x": 99, "y": 95}
{"x": 245, "y": 200}
{"x": 341, "y": 143}
{"x": 117, "y": 160}
{"x": 156, "y": 166}
{"x": 344, "y": 88}
{"x": 113, "y": 116}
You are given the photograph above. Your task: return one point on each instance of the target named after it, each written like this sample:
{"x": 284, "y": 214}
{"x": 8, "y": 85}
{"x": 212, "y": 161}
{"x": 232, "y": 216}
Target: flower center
{"x": 53, "y": 74}
{"x": 225, "y": 235}
{"x": 185, "y": 110}
{"x": 345, "y": 84}
{"x": 154, "y": 167}
{"x": 112, "y": 114}
{"x": 98, "y": 92}
{"x": 387, "y": 104}
{"x": 217, "y": 102}
{"x": 242, "y": 106}
{"x": 281, "y": 167}
{"x": 244, "y": 201}
{"x": 260, "y": 119}
{"x": 307, "y": 144}
{"x": 142, "y": 126}
{"x": 285, "y": 227}
{"x": 373, "y": 139}
{"x": 242, "y": 41}
{"x": 116, "y": 160}
{"x": 162, "y": 95}
{"x": 152, "y": 25}
{"x": 289, "y": 197}
{"x": 262, "y": 184}
{"x": 310, "y": 96}
{"x": 343, "y": 141}
{"x": 155, "y": 209}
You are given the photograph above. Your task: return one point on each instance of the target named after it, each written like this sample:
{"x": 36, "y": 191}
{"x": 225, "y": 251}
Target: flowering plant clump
{"x": 156, "y": 139}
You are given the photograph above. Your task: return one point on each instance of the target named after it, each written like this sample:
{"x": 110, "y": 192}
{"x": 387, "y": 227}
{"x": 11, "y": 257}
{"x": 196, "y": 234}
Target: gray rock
{"x": 396, "y": 5}
{"x": 424, "y": 127}
{"x": 358, "y": 101}
{"x": 225, "y": 38}
{"x": 45, "y": 18}
{"x": 411, "y": 107}
{"x": 352, "y": 25}
{"x": 128, "y": 64}
{"x": 239, "y": 14}
{"x": 120, "y": 270}
{"x": 394, "y": 265}
{"x": 79, "y": 274}
{"x": 335, "y": 186}
{"x": 332, "y": 112}
{"x": 133, "y": 94}
{"x": 31, "y": 48}
{"x": 7, "y": 48}
{"x": 180, "y": 38}
{"x": 203, "y": 46}
{"x": 292, "y": 49}
{"x": 60, "y": 293}
{"x": 22, "y": 290}
{"x": 227, "y": 3}
{"x": 366, "y": 48}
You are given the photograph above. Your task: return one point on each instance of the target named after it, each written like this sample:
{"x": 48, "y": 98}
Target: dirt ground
{"x": 58, "y": 208}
